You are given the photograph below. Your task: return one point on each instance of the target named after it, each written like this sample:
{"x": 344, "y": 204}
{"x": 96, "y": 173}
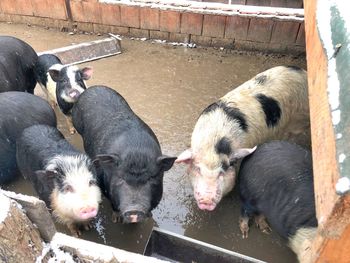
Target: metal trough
{"x": 169, "y": 246}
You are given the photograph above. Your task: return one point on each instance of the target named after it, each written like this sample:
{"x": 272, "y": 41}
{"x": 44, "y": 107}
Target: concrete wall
{"x": 208, "y": 24}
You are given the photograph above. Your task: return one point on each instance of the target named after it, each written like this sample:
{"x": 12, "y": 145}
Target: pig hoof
{"x": 72, "y": 130}
{"x": 262, "y": 224}
{"x": 88, "y": 226}
{"x": 116, "y": 218}
{"x": 244, "y": 227}
{"x": 74, "y": 230}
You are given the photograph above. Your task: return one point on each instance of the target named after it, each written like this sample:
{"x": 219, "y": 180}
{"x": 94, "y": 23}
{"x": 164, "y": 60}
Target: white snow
{"x": 58, "y": 254}
{"x": 100, "y": 229}
{"x": 343, "y": 185}
{"x": 4, "y": 206}
{"x": 342, "y": 157}
{"x": 324, "y": 26}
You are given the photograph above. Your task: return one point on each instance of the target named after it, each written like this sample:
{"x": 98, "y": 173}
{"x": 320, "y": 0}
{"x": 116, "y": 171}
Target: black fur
{"x": 223, "y": 146}
{"x": 35, "y": 148}
{"x": 277, "y": 181}
{"x": 233, "y": 113}
{"x": 19, "y": 110}
{"x": 261, "y": 79}
{"x": 42, "y": 66}
{"x": 17, "y": 62}
{"x": 127, "y": 151}
{"x": 296, "y": 68}
{"x": 271, "y": 109}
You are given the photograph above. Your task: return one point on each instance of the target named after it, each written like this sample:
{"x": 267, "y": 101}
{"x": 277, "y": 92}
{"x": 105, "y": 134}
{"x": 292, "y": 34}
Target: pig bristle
{"x": 70, "y": 163}
{"x": 301, "y": 243}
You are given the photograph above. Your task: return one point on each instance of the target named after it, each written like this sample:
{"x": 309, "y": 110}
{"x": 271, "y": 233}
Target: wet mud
{"x": 168, "y": 87}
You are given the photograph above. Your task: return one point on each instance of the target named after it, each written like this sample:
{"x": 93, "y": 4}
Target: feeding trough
{"x": 172, "y": 247}
{"x": 87, "y": 51}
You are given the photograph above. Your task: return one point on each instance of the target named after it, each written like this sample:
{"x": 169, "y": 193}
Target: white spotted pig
{"x": 61, "y": 175}
{"x": 272, "y": 105}
{"x": 62, "y": 84}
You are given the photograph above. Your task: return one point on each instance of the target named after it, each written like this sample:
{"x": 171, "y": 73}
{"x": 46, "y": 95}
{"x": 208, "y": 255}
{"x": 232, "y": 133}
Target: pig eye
{"x": 68, "y": 189}
{"x": 197, "y": 169}
{"x": 92, "y": 182}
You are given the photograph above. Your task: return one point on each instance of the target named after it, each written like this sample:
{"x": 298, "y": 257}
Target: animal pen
{"x": 316, "y": 28}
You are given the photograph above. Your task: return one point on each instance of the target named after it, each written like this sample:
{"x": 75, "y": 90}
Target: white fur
{"x": 66, "y": 206}
{"x": 285, "y": 85}
{"x": 301, "y": 242}
{"x": 57, "y": 67}
{"x": 51, "y": 88}
{"x": 71, "y": 71}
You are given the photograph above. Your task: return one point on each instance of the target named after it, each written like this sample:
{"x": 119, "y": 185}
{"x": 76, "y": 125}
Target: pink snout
{"x": 87, "y": 212}
{"x": 206, "y": 205}
{"x": 205, "y": 201}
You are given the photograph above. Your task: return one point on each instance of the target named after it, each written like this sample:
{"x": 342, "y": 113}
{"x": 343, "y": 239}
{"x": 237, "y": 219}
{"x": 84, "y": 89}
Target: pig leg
{"x": 74, "y": 229}
{"x": 70, "y": 126}
{"x": 244, "y": 226}
{"x": 261, "y": 223}
{"x": 244, "y": 222}
{"x": 87, "y": 225}
{"x": 116, "y": 217}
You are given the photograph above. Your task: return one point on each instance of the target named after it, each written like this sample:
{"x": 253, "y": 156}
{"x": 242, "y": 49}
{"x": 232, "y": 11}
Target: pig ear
{"x": 105, "y": 159}
{"x": 240, "y": 154}
{"x": 165, "y": 162}
{"x": 185, "y": 157}
{"x": 44, "y": 181}
{"x": 54, "y": 71}
{"x": 86, "y": 73}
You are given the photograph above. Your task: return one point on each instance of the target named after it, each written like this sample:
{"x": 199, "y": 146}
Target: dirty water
{"x": 168, "y": 87}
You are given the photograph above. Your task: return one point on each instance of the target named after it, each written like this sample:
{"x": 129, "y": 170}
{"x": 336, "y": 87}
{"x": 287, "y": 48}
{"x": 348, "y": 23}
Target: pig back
{"x": 19, "y": 110}
{"x": 100, "y": 115}
{"x": 277, "y": 181}
{"x": 17, "y": 63}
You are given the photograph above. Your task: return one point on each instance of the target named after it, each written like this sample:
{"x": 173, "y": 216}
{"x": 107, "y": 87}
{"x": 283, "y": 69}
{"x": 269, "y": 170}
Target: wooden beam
{"x": 332, "y": 243}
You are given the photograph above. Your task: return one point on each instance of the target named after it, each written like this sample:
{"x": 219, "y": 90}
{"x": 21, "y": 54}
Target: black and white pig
{"x": 62, "y": 84}
{"x": 126, "y": 151}
{"x": 276, "y": 183}
{"x": 61, "y": 175}
{"x": 17, "y": 62}
{"x": 18, "y": 110}
{"x": 272, "y": 105}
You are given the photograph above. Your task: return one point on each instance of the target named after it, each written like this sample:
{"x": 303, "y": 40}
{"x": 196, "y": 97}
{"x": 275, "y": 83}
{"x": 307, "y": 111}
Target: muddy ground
{"x": 168, "y": 86}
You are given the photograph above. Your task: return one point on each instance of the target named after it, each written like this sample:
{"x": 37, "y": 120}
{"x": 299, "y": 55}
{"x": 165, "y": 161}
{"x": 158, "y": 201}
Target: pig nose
{"x": 133, "y": 217}
{"x": 88, "y": 212}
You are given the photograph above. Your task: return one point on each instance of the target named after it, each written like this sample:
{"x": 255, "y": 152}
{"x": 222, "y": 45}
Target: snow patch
{"x": 342, "y": 157}
{"x": 324, "y": 27}
{"x": 343, "y": 186}
{"x": 4, "y": 207}
{"x": 100, "y": 229}
{"x": 56, "y": 254}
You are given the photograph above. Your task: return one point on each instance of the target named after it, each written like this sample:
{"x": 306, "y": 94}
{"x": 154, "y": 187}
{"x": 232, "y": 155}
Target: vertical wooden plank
{"x": 333, "y": 211}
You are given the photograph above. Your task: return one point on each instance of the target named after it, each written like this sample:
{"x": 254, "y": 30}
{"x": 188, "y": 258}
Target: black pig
{"x": 18, "y": 110}
{"x": 276, "y": 183}
{"x": 126, "y": 151}
{"x": 17, "y": 62}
